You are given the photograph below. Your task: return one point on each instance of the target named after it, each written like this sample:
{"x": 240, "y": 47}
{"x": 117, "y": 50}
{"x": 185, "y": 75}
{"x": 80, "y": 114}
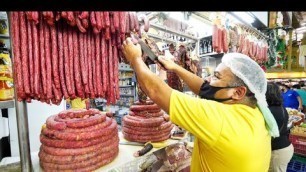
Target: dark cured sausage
{"x": 42, "y": 56}
{"x": 111, "y": 74}
{"x": 74, "y": 144}
{"x": 224, "y": 40}
{"x": 81, "y": 151}
{"x": 36, "y": 59}
{"x": 98, "y": 78}
{"x": 30, "y": 55}
{"x": 144, "y": 139}
{"x": 116, "y": 20}
{"x": 144, "y": 107}
{"x": 80, "y": 136}
{"x": 76, "y": 61}
{"x": 85, "y": 65}
{"x": 148, "y": 129}
{"x": 88, "y": 165}
{"x": 106, "y": 19}
{"x": 116, "y": 76}
{"x": 98, "y": 20}
{"x": 90, "y": 69}
{"x": 48, "y": 61}
{"x": 67, "y": 60}
{"x": 80, "y": 113}
{"x": 151, "y": 122}
{"x": 147, "y": 133}
{"x": 147, "y": 114}
{"x": 106, "y": 123}
{"x": 55, "y": 58}
{"x": 103, "y": 64}
{"x": 94, "y": 73}
{"x": 80, "y": 122}
{"x": 82, "y": 59}
{"x": 70, "y": 158}
{"x": 215, "y": 38}
{"x": 55, "y": 125}
{"x": 61, "y": 60}
{"x": 122, "y": 21}
{"x": 24, "y": 52}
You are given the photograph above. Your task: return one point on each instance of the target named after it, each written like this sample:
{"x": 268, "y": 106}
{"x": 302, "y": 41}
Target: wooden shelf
{"x": 7, "y": 104}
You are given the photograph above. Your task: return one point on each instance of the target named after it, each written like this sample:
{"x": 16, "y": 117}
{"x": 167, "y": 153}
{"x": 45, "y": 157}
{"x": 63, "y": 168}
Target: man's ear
{"x": 239, "y": 93}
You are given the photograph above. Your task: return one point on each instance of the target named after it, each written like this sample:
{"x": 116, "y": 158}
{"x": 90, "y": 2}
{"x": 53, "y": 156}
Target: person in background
{"x": 302, "y": 93}
{"x": 291, "y": 98}
{"x": 78, "y": 103}
{"x": 231, "y": 122}
{"x": 282, "y": 149}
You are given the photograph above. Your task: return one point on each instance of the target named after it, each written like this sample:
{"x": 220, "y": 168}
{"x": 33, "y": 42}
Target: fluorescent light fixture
{"x": 245, "y": 16}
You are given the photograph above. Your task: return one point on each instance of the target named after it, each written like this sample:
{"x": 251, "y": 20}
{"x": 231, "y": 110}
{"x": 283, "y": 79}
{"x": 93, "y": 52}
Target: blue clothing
{"x": 290, "y": 99}
{"x": 302, "y": 94}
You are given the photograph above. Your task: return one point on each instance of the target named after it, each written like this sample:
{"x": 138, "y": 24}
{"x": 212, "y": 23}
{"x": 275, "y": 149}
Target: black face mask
{"x": 208, "y": 92}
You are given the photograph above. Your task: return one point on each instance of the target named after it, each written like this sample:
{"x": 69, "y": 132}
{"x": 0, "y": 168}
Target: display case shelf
{"x": 4, "y": 36}
{"x": 7, "y": 104}
{"x": 127, "y": 95}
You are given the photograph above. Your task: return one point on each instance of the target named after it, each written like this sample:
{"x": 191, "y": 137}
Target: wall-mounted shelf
{"x": 7, "y": 104}
{"x": 127, "y": 70}
{"x": 126, "y": 78}
{"x": 123, "y": 86}
{"x": 127, "y": 95}
{"x": 4, "y": 36}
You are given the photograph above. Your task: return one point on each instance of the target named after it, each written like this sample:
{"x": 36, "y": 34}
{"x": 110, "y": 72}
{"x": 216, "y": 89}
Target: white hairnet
{"x": 254, "y": 77}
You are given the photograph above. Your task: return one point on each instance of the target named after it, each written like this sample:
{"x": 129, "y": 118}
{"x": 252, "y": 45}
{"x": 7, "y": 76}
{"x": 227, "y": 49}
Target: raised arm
{"x": 150, "y": 83}
{"x": 193, "y": 81}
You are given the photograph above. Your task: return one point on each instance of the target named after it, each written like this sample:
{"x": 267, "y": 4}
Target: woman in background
{"x": 282, "y": 149}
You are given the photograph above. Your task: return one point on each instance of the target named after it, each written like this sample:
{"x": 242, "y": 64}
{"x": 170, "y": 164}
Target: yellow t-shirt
{"x": 78, "y": 103}
{"x": 228, "y": 138}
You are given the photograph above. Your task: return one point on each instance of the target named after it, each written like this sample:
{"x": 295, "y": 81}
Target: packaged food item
{"x": 6, "y": 77}
{"x": 3, "y": 27}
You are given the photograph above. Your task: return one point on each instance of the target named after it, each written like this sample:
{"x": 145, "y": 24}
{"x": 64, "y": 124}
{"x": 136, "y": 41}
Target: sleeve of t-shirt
{"x": 203, "y": 118}
{"x": 295, "y": 93}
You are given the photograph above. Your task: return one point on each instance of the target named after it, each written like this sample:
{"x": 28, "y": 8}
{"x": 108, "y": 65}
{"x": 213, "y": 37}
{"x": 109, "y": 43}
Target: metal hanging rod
{"x": 253, "y": 30}
{"x": 166, "y": 29}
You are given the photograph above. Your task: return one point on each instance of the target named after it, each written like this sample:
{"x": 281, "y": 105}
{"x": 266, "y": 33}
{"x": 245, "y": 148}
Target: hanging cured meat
{"x": 64, "y": 54}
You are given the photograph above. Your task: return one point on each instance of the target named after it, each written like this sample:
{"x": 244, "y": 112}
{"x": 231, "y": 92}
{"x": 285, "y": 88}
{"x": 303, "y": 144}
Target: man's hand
{"x": 167, "y": 62}
{"x": 130, "y": 50}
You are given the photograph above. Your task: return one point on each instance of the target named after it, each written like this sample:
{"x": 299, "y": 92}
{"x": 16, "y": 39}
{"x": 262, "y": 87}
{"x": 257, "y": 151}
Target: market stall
{"x": 66, "y": 55}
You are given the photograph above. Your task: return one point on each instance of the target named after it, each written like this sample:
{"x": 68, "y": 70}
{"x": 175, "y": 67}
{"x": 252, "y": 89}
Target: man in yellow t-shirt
{"x": 231, "y": 122}
{"x": 78, "y": 103}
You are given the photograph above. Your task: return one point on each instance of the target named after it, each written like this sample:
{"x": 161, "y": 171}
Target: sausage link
{"x": 90, "y": 68}
{"x": 55, "y": 49}
{"x": 36, "y": 59}
{"x": 151, "y": 122}
{"x": 71, "y": 158}
{"x": 61, "y": 46}
{"x": 30, "y": 55}
{"x": 48, "y": 61}
{"x": 99, "y": 92}
{"x": 122, "y": 21}
{"x": 24, "y": 52}
{"x": 80, "y": 151}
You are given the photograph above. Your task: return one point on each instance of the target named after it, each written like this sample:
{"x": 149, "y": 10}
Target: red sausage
{"x": 71, "y": 59}
{"x": 61, "y": 60}
{"x": 31, "y": 58}
{"x": 98, "y": 67}
{"x": 24, "y": 53}
{"x": 122, "y": 21}
{"x": 76, "y": 61}
{"x": 90, "y": 69}
{"x": 48, "y": 62}
{"x": 55, "y": 58}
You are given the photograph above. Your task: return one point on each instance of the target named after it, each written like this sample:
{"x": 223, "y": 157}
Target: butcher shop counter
{"x": 125, "y": 155}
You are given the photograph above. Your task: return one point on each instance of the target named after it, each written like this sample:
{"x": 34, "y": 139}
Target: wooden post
{"x": 290, "y": 50}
